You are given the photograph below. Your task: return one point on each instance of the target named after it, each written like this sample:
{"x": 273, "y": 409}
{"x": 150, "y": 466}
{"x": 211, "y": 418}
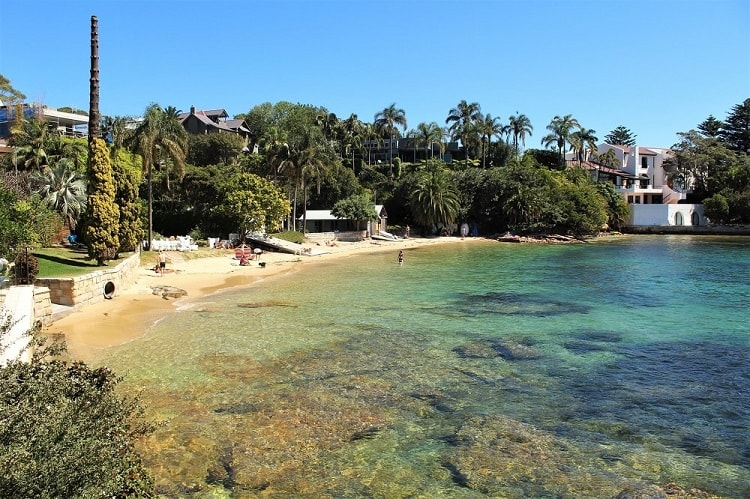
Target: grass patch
{"x": 69, "y": 262}
{"x": 73, "y": 262}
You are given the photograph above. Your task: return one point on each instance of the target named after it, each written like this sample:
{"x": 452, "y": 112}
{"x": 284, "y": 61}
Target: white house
{"x": 322, "y": 221}
{"x": 641, "y": 179}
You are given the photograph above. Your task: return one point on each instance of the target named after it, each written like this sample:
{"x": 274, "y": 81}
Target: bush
{"x": 716, "y": 208}
{"x": 65, "y": 430}
{"x": 292, "y": 236}
{"x": 26, "y": 268}
{"x": 197, "y": 234}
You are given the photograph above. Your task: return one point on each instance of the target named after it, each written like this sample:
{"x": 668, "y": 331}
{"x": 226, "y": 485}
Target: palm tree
{"x": 372, "y": 139}
{"x": 302, "y": 161}
{"x": 487, "y": 126}
{"x": 583, "y": 142}
{"x": 428, "y": 134}
{"x": 387, "y": 119}
{"x": 275, "y": 148}
{"x": 311, "y": 165}
{"x": 63, "y": 189}
{"x": 115, "y": 130}
{"x": 461, "y": 117}
{"x": 519, "y": 126}
{"x": 30, "y": 138}
{"x": 435, "y": 198}
{"x": 173, "y": 131}
{"x": 159, "y": 137}
{"x": 351, "y": 131}
{"x": 353, "y": 144}
{"x": 560, "y": 128}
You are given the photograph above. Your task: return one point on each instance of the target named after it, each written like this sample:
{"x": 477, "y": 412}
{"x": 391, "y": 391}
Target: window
{"x": 678, "y": 219}
{"x": 644, "y": 162}
{"x": 630, "y": 199}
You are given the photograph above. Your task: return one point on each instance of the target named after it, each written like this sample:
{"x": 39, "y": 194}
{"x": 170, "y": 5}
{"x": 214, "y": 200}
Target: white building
{"x": 653, "y": 198}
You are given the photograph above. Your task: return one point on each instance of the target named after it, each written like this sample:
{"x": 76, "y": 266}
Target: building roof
{"x": 326, "y": 214}
{"x": 211, "y": 113}
{"x": 207, "y": 121}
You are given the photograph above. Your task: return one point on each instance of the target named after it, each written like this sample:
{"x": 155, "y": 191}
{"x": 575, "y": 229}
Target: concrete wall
{"x": 94, "y": 287}
{"x": 665, "y": 214}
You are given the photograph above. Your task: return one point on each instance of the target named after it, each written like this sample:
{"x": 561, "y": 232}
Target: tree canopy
{"x": 65, "y": 430}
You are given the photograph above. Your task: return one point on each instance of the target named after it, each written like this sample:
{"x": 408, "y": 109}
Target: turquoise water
{"x": 478, "y": 369}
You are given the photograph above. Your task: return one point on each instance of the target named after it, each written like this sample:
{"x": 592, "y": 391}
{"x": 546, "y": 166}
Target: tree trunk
{"x": 150, "y": 209}
{"x": 94, "y": 82}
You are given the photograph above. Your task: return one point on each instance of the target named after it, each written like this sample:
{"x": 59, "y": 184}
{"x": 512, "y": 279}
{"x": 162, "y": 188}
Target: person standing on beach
{"x": 162, "y": 262}
{"x": 400, "y": 258}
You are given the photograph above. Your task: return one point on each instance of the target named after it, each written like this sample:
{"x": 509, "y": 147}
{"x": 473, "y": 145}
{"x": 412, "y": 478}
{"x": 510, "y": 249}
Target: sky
{"x": 657, "y": 67}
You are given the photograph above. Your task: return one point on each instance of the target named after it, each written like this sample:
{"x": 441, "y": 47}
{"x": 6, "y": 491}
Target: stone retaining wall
{"x": 42, "y": 305}
{"x": 94, "y": 287}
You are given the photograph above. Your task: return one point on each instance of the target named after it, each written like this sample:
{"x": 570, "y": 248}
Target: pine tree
{"x": 710, "y": 128}
{"x": 620, "y": 136}
{"x": 736, "y": 129}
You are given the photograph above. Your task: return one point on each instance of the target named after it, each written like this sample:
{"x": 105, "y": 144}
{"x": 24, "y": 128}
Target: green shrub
{"x": 26, "y": 268}
{"x": 292, "y": 236}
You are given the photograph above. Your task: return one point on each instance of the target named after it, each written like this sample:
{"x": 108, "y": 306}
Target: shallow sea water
{"x": 474, "y": 370}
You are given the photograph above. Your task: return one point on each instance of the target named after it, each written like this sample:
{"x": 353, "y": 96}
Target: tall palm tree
{"x": 488, "y": 127}
{"x": 583, "y": 141}
{"x": 560, "y": 128}
{"x": 158, "y": 138}
{"x": 173, "y": 131}
{"x": 373, "y": 139}
{"x": 428, "y": 134}
{"x": 275, "y": 148}
{"x": 311, "y": 164}
{"x": 519, "y": 126}
{"x": 351, "y": 131}
{"x": 387, "y": 119}
{"x": 304, "y": 160}
{"x": 461, "y": 118}
{"x": 63, "y": 189}
{"x": 352, "y": 145}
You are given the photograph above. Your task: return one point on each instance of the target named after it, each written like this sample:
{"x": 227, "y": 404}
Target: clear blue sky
{"x": 657, "y": 67}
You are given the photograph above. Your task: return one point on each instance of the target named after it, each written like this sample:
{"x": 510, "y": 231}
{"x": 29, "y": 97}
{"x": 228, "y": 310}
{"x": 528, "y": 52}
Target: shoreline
{"x": 130, "y": 314}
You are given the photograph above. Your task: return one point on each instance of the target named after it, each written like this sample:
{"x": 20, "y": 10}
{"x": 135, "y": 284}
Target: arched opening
{"x": 695, "y": 218}
{"x": 678, "y": 220}
{"x": 109, "y": 290}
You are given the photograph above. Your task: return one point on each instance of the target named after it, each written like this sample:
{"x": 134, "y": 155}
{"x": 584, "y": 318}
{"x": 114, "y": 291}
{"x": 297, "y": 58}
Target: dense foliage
{"x": 25, "y": 222}
{"x": 102, "y": 229}
{"x": 65, "y": 431}
{"x": 715, "y": 161}
{"x": 358, "y": 208}
{"x": 475, "y": 169}
{"x": 130, "y": 229}
{"x": 252, "y": 203}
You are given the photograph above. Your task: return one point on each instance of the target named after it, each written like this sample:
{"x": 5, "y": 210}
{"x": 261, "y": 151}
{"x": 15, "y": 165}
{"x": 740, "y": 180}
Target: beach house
{"x": 322, "y": 224}
{"x": 639, "y": 174}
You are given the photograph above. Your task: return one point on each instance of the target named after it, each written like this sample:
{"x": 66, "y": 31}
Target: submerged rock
{"x": 168, "y": 292}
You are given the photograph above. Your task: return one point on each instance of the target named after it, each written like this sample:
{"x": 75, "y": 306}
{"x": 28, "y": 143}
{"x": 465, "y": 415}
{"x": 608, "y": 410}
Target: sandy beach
{"x": 129, "y": 314}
